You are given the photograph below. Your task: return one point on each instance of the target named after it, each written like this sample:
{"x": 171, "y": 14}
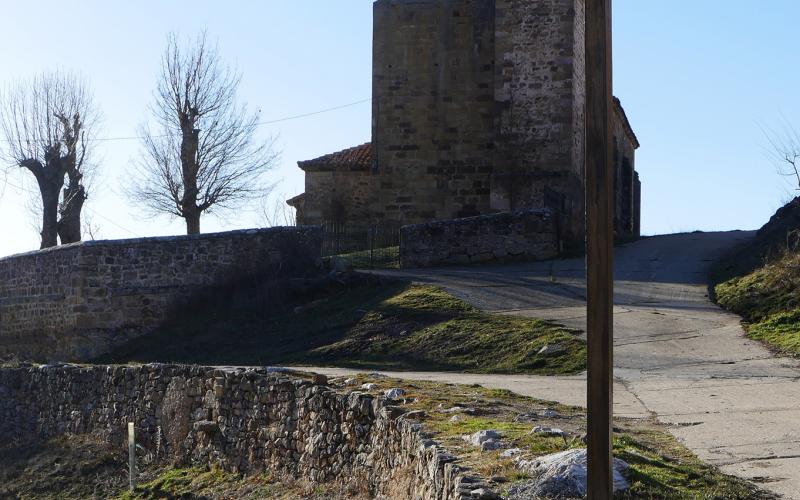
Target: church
{"x": 477, "y": 108}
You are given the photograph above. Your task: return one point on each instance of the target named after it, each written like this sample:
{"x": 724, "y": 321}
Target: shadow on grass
{"x": 372, "y": 324}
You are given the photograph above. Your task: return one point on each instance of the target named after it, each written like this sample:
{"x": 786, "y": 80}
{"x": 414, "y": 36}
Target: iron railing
{"x": 363, "y": 246}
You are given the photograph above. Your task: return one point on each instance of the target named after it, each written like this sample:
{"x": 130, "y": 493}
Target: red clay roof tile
{"x": 357, "y": 158}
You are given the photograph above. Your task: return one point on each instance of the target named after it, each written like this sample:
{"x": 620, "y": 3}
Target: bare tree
{"x": 47, "y": 124}
{"x": 204, "y": 154}
{"x": 785, "y": 151}
{"x": 91, "y": 229}
{"x": 274, "y": 211}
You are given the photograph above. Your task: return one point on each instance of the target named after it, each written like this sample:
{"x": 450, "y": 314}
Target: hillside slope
{"x": 367, "y": 324}
{"x": 761, "y": 281}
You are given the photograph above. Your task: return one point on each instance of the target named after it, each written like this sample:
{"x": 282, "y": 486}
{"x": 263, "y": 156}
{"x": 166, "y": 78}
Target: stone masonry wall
{"x": 238, "y": 420}
{"x": 433, "y": 108}
{"x": 522, "y": 235}
{"x": 538, "y": 84}
{"x": 478, "y": 108}
{"x": 77, "y": 301}
{"x": 338, "y": 196}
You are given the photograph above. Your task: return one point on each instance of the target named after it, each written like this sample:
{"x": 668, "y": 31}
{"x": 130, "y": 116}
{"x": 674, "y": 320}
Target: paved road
{"x": 677, "y": 355}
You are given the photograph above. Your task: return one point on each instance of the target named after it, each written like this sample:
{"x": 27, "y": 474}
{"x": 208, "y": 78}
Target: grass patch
{"x": 781, "y": 331}
{"x": 387, "y": 326}
{"x": 380, "y": 258}
{"x": 769, "y": 301}
{"x": 660, "y": 467}
{"x": 760, "y": 281}
{"x": 65, "y": 468}
{"x": 770, "y": 289}
{"x": 213, "y": 483}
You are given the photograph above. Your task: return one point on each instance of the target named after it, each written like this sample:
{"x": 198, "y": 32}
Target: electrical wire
{"x": 268, "y": 122}
{"x": 87, "y": 208}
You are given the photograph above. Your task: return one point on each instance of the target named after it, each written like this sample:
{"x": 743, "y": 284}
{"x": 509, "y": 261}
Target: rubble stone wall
{"x": 77, "y": 301}
{"x": 239, "y": 420}
{"x": 520, "y": 235}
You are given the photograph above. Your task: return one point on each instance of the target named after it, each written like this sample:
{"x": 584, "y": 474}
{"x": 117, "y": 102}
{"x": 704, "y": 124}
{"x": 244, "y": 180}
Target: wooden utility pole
{"x": 599, "y": 247}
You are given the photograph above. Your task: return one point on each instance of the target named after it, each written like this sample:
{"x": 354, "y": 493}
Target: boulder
{"x": 552, "y": 350}
{"x": 548, "y": 431}
{"x": 479, "y": 437}
{"x": 394, "y": 393}
{"x": 491, "y": 444}
{"x": 561, "y": 475}
{"x": 513, "y": 452}
{"x": 550, "y": 414}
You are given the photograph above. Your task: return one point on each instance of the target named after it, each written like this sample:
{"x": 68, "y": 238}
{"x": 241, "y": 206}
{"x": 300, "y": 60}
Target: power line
{"x": 90, "y": 209}
{"x": 95, "y": 212}
{"x": 268, "y": 122}
{"x": 305, "y": 115}
{"x": 107, "y": 139}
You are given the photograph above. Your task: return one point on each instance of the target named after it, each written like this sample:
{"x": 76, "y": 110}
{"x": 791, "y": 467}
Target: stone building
{"x": 478, "y": 107}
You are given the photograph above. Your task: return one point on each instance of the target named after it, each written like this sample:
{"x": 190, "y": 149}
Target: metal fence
{"x": 558, "y": 203}
{"x": 375, "y": 246}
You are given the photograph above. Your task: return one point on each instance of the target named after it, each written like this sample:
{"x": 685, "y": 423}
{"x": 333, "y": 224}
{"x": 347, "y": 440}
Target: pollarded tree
{"x": 203, "y": 155}
{"x": 47, "y": 123}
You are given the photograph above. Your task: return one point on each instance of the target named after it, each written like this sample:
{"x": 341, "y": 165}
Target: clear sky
{"x": 698, "y": 80}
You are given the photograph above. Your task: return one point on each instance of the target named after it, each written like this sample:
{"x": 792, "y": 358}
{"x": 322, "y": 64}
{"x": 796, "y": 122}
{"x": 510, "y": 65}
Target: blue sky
{"x": 698, "y": 79}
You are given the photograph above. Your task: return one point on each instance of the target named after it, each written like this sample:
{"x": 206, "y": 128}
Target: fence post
{"x": 131, "y": 456}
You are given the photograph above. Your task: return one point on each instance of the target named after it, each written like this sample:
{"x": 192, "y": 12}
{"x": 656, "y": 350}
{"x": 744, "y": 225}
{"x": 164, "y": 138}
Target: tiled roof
{"x": 297, "y": 200}
{"x": 357, "y": 158}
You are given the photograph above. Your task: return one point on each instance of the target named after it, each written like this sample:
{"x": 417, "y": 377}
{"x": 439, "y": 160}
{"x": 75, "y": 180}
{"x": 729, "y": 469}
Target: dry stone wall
{"x": 239, "y": 420}
{"x": 521, "y": 235}
{"x": 77, "y": 301}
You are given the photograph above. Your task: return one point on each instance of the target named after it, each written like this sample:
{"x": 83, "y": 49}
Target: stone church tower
{"x": 478, "y": 107}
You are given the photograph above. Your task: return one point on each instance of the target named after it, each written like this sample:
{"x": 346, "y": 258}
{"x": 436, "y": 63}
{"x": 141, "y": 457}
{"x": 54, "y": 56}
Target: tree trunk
{"x": 69, "y": 226}
{"x": 50, "y": 192}
{"x": 192, "y": 222}
{"x": 189, "y": 145}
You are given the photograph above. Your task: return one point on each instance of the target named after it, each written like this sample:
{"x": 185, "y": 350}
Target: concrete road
{"x": 677, "y": 355}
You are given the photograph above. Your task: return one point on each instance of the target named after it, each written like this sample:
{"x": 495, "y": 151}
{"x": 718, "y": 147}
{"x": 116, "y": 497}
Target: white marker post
{"x": 131, "y": 456}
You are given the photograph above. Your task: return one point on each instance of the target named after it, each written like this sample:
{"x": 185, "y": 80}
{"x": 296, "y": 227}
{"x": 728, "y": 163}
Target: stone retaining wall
{"x": 521, "y": 235}
{"x": 77, "y": 301}
{"x": 238, "y": 420}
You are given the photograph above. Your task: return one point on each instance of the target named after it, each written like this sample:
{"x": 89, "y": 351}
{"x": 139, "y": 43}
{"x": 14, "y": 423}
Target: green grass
{"x": 760, "y": 281}
{"x": 214, "y": 483}
{"x": 769, "y": 301}
{"x": 770, "y": 289}
{"x": 387, "y": 326}
{"x": 201, "y": 483}
{"x": 380, "y": 258}
{"x": 780, "y": 330}
{"x": 179, "y": 482}
{"x": 660, "y": 467}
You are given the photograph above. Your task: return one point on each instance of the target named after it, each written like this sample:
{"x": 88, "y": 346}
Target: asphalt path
{"x": 677, "y": 356}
